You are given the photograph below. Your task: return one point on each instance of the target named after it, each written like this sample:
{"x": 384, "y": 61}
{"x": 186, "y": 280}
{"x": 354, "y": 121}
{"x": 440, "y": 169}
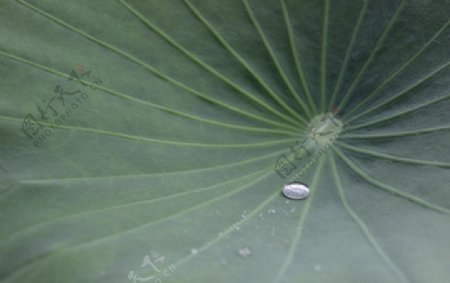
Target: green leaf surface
{"x": 158, "y": 163}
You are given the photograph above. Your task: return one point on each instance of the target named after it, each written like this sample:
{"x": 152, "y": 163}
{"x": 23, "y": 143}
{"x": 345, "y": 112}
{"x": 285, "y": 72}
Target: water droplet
{"x": 317, "y": 267}
{"x": 296, "y": 191}
{"x": 272, "y": 233}
{"x": 272, "y": 210}
{"x": 194, "y": 251}
{"x": 245, "y": 252}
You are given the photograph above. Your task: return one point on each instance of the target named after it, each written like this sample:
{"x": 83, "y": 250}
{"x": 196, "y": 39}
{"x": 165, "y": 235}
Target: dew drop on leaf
{"x": 245, "y": 252}
{"x": 317, "y": 267}
{"x": 296, "y": 191}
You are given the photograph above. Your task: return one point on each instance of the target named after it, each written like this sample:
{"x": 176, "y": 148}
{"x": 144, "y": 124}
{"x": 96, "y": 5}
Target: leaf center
{"x": 324, "y": 129}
